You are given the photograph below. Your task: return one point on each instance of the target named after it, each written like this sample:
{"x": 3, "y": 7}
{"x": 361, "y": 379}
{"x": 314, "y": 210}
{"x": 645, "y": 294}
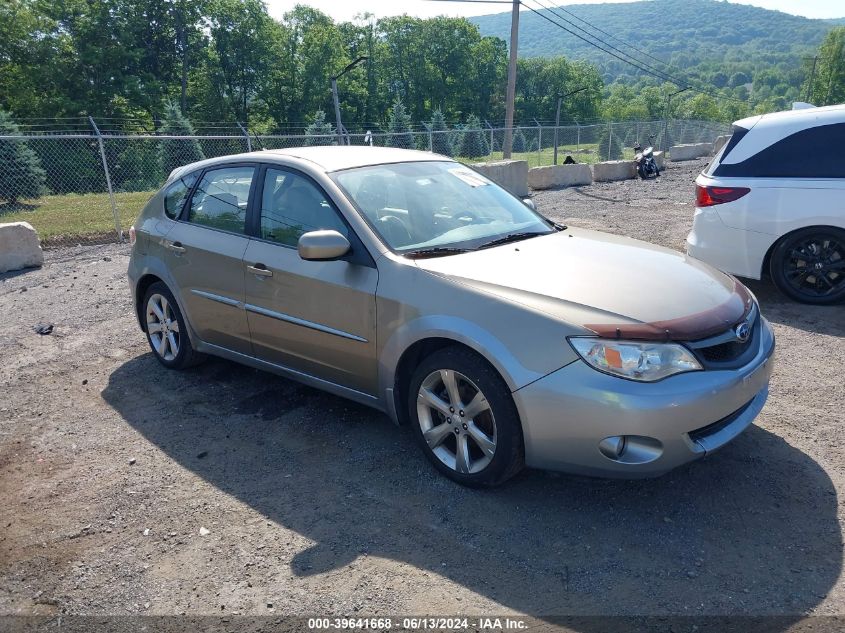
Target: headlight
{"x": 635, "y": 360}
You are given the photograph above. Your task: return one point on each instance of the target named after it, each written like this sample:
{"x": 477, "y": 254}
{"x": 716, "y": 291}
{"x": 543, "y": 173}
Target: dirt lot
{"x": 110, "y": 467}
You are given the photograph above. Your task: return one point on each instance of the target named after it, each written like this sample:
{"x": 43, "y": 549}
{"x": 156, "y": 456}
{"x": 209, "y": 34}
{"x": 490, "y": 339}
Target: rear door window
{"x": 817, "y": 152}
{"x": 221, "y": 198}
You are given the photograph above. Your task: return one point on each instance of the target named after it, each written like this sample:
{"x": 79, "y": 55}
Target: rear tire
{"x": 464, "y": 418}
{"x": 167, "y": 330}
{"x": 809, "y": 265}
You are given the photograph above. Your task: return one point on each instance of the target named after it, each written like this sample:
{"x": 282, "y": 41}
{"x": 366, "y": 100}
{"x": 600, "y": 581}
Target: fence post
{"x": 430, "y": 136}
{"x": 609, "y": 140}
{"x": 487, "y": 123}
{"x": 539, "y": 142}
{"x": 246, "y": 136}
{"x": 108, "y": 179}
{"x": 577, "y": 137}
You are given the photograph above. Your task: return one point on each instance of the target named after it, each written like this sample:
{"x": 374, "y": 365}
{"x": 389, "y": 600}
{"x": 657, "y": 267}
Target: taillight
{"x": 708, "y": 196}
{"x": 132, "y": 235}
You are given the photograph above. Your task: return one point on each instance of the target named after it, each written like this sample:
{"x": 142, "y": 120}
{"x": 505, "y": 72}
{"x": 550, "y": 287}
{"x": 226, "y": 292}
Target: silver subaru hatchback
{"x": 411, "y": 283}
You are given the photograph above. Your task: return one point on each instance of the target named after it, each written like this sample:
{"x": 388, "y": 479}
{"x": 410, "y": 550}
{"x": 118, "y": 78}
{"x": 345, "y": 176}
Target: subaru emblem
{"x": 743, "y": 331}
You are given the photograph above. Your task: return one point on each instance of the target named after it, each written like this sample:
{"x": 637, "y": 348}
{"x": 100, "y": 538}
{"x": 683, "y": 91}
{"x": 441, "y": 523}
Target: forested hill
{"x": 685, "y": 33}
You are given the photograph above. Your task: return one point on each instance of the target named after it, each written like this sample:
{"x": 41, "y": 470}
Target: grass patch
{"x": 73, "y": 215}
{"x": 585, "y": 153}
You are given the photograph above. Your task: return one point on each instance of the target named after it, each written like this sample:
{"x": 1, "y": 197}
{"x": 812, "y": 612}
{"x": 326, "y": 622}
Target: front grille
{"x": 725, "y": 352}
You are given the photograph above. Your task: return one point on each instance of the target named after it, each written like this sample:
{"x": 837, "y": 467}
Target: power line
{"x": 622, "y": 56}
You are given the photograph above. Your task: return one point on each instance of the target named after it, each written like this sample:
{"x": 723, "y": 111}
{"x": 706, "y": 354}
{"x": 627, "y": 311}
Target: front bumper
{"x": 567, "y": 414}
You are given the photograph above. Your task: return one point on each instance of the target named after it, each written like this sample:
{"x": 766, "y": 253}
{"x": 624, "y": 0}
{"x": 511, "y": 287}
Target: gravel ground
{"x": 128, "y": 489}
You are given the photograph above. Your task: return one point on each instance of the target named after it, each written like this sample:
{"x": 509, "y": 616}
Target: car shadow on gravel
{"x": 777, "y": 308}
{"x": 751, "y": 530}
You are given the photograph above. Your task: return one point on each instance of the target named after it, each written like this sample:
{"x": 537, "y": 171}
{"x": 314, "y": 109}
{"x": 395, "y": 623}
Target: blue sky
{"x": 346, "y": 9}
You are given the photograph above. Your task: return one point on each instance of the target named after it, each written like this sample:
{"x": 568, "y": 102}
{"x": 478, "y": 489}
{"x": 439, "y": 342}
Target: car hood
{"x": 611, "y": 285}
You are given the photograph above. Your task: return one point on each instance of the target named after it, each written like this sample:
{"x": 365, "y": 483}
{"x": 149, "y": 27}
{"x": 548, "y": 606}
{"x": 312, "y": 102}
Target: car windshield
{"x": 438, "y": 207}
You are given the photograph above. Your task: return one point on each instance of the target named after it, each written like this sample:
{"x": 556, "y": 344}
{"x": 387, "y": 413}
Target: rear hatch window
{"x": 736, "y": 136}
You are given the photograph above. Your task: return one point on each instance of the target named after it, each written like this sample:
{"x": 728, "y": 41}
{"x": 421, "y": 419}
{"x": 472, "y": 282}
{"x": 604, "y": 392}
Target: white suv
{"x": 773, "y": 200}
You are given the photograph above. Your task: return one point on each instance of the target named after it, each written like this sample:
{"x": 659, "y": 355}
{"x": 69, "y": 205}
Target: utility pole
{"x": 511, "y": 93}
{"x": 507, "y": 145}
{"x": 560, "y": 98}
{"x": 666, "y": 117}
{"x": 336, "y": 100}
{"x": 812, "y": 80}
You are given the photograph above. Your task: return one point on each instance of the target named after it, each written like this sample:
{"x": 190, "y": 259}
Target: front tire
{"x": 464, "y": 418}
{"x": 166, "y": 329}
{"x": 809, "y": 265}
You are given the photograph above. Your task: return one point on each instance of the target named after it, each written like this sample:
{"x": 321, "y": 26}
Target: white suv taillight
{"x": 132, "y": 235}
{"x": 709, "y": 196}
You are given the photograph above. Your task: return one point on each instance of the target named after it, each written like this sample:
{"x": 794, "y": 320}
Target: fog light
{"x": 613, "y": 447}
{"x": 631, "y": 449}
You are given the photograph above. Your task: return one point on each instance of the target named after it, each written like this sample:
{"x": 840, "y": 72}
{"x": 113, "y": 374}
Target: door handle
{"x": 176, "y": 247}
{"x": 260, "y": 270}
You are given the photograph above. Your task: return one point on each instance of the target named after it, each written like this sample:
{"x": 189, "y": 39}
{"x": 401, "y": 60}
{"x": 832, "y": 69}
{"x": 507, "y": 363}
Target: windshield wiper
{"x": 511, "y": 237}
{"x": 435, "y": 251}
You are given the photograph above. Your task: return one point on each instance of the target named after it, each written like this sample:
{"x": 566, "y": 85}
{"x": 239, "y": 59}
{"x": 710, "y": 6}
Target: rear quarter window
{"x": 817, "y": 152}
{"x": 176, "y": 194}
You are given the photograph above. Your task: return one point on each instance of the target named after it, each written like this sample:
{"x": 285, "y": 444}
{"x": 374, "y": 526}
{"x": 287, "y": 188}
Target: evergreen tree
{"x": 441, "y": 138}
{"x": 21, "y": 174}
{"x": 474, "y": 140}
{"x": 399, "y": 130}
{"x": 174, "y": 153}
{"x": 519, "y": 143}
{"x": 610, "y": 147}
{"x": 319, "y": 131}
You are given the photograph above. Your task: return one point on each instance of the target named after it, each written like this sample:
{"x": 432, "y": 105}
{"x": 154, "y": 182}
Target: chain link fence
{"x": 88, "y": 188}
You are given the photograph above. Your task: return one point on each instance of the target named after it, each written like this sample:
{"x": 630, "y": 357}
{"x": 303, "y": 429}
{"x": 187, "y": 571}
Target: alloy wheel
{"x": 163, "y": 327}
{"x": 815, "y": 266}
{"x": 456, "y": 420}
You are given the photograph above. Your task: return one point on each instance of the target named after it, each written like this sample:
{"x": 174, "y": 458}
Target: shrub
{"x": 610, "y": 146}
{"x": 399, "y": 130}
{"x": 21, "y": 175}
{"x": 174, "y": 153}
{"x": 441, "y": 138}
{"x": 519, "y": 143}
{"x": 474, "y": 140}
{"x": 319, "y": 131}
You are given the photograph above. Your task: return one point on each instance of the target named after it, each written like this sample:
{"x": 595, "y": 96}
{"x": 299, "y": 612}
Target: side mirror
{"x": 528, "y": 202}
{"x": 322, "y": 245}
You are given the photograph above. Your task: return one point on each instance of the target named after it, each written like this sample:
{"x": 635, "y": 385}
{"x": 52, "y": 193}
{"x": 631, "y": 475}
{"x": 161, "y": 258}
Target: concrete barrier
{"x": 614, "y": 170}
{"x": 19, "y": 247}
{"x": 559, "y": 176}
{"x": 690, "y": 151}
{"x": 660, "y": 159}
{"x": 510, "y": 174}
{"x": 720, "y": 142}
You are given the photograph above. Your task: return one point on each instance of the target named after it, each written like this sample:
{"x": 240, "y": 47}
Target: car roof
{"x": 334, "y": 158}
{"x": 804, "y": 117}
{"x": 772, "y": 127}
{"x": 327, "y": 158}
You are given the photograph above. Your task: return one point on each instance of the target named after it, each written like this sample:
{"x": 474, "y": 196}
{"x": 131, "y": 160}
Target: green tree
{"x": 319, "y": 131}
{"x": 399, "y": 130}
{"x": 519, "y": 142}
{"x": 473, "y": 140}
{"x": 610, "y": 145}
{"x": 441, "y": 138}
{"x": 829, "y": 84}
{"x": 175, "y": 152}
{"x": 21, "y": 174}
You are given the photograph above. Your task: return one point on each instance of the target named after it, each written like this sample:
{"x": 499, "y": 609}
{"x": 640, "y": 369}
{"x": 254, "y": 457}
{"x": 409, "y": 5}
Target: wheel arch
{"x": 767, "y": 258}
{"x": 141, "y": 288}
